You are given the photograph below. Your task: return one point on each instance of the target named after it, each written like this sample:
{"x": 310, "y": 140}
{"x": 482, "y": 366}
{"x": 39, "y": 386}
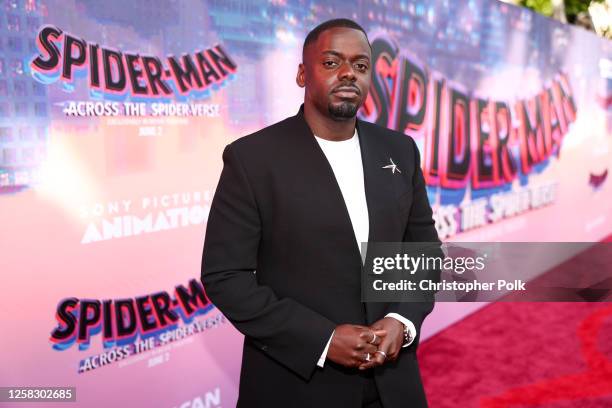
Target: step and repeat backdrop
{"x": 113, "y": 117}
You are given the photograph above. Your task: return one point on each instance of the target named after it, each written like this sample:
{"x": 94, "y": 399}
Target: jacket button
{"x": 264, "y": 348}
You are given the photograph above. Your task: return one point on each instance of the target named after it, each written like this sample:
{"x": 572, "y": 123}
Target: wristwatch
{"x": 407, "y": 336}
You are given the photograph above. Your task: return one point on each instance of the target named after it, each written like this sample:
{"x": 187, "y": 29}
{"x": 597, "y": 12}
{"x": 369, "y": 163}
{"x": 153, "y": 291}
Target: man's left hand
{"x": 391, "y": 344}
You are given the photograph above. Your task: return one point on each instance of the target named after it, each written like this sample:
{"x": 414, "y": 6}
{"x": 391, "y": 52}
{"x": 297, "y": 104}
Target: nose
{"x": 346, "y": 72}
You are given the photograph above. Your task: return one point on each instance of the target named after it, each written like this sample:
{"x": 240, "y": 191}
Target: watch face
{"x": 407, "y": 335}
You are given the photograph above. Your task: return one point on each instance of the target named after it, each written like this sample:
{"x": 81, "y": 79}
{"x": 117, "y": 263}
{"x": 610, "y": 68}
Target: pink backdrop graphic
{"x": 113, "y": 117}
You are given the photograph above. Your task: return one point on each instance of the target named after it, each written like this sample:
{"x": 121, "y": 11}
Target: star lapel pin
{"x": 392, "y": 166}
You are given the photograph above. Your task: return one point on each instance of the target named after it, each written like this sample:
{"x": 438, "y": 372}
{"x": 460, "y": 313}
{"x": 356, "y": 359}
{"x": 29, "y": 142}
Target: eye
{"x": 330, "y": 64}
{"x": 361, "y": 67}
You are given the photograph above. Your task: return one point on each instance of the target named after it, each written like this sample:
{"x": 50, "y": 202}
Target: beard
{"x": 342, "y": 111}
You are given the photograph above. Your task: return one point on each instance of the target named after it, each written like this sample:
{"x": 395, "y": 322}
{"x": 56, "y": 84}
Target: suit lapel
{"x": 321, "y": 177}
{"x": 384, "y": 220}
{"x": 378, "y": 185}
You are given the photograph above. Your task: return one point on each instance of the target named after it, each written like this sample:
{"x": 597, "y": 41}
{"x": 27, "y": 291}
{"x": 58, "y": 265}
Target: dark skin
{"x": 336, "y": 71}
{"x": 336, "y": 75}
{"x": 391, "y": 343}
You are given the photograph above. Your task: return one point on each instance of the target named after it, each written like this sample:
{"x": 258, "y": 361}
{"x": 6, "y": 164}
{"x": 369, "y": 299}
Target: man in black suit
{"x": 282, "y": 256}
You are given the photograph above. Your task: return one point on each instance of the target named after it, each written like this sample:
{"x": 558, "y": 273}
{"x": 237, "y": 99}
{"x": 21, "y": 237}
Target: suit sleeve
{"x": 284, "y": 329}
{"x": 419, "y": 228}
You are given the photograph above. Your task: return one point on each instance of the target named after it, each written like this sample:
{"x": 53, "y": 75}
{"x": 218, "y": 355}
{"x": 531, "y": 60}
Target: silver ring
{"x": 383, "y": 353}
{"x": 373, "y": 338}
{"x": 367, "y": 358}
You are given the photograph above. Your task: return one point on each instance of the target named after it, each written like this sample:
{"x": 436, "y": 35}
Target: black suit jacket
{"x": 278, "y": 210}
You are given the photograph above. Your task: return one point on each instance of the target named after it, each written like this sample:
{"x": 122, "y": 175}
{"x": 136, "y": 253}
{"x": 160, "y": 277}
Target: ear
{"x": 300, "y": 78}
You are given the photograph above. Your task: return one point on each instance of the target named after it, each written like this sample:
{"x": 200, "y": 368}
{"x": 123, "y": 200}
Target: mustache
{"x": 347, "y": 87}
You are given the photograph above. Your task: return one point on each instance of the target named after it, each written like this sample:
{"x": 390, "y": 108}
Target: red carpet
{"x": 552, "y": 355}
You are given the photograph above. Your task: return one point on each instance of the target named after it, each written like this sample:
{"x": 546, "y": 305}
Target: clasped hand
{"x": 365, "y": 347}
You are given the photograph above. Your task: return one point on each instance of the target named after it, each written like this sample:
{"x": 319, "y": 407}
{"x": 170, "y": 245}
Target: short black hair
{"x": 314, "y": 34}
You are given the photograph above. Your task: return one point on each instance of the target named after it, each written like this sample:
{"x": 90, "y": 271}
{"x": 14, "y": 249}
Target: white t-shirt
{"x": 345, "y": 160}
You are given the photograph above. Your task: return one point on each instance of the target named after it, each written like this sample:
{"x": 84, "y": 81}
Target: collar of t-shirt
{"x": 344, "y": 158}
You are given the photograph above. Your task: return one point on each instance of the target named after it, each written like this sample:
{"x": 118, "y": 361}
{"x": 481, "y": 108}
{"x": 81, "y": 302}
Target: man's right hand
{"x": 351, "y": 343}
